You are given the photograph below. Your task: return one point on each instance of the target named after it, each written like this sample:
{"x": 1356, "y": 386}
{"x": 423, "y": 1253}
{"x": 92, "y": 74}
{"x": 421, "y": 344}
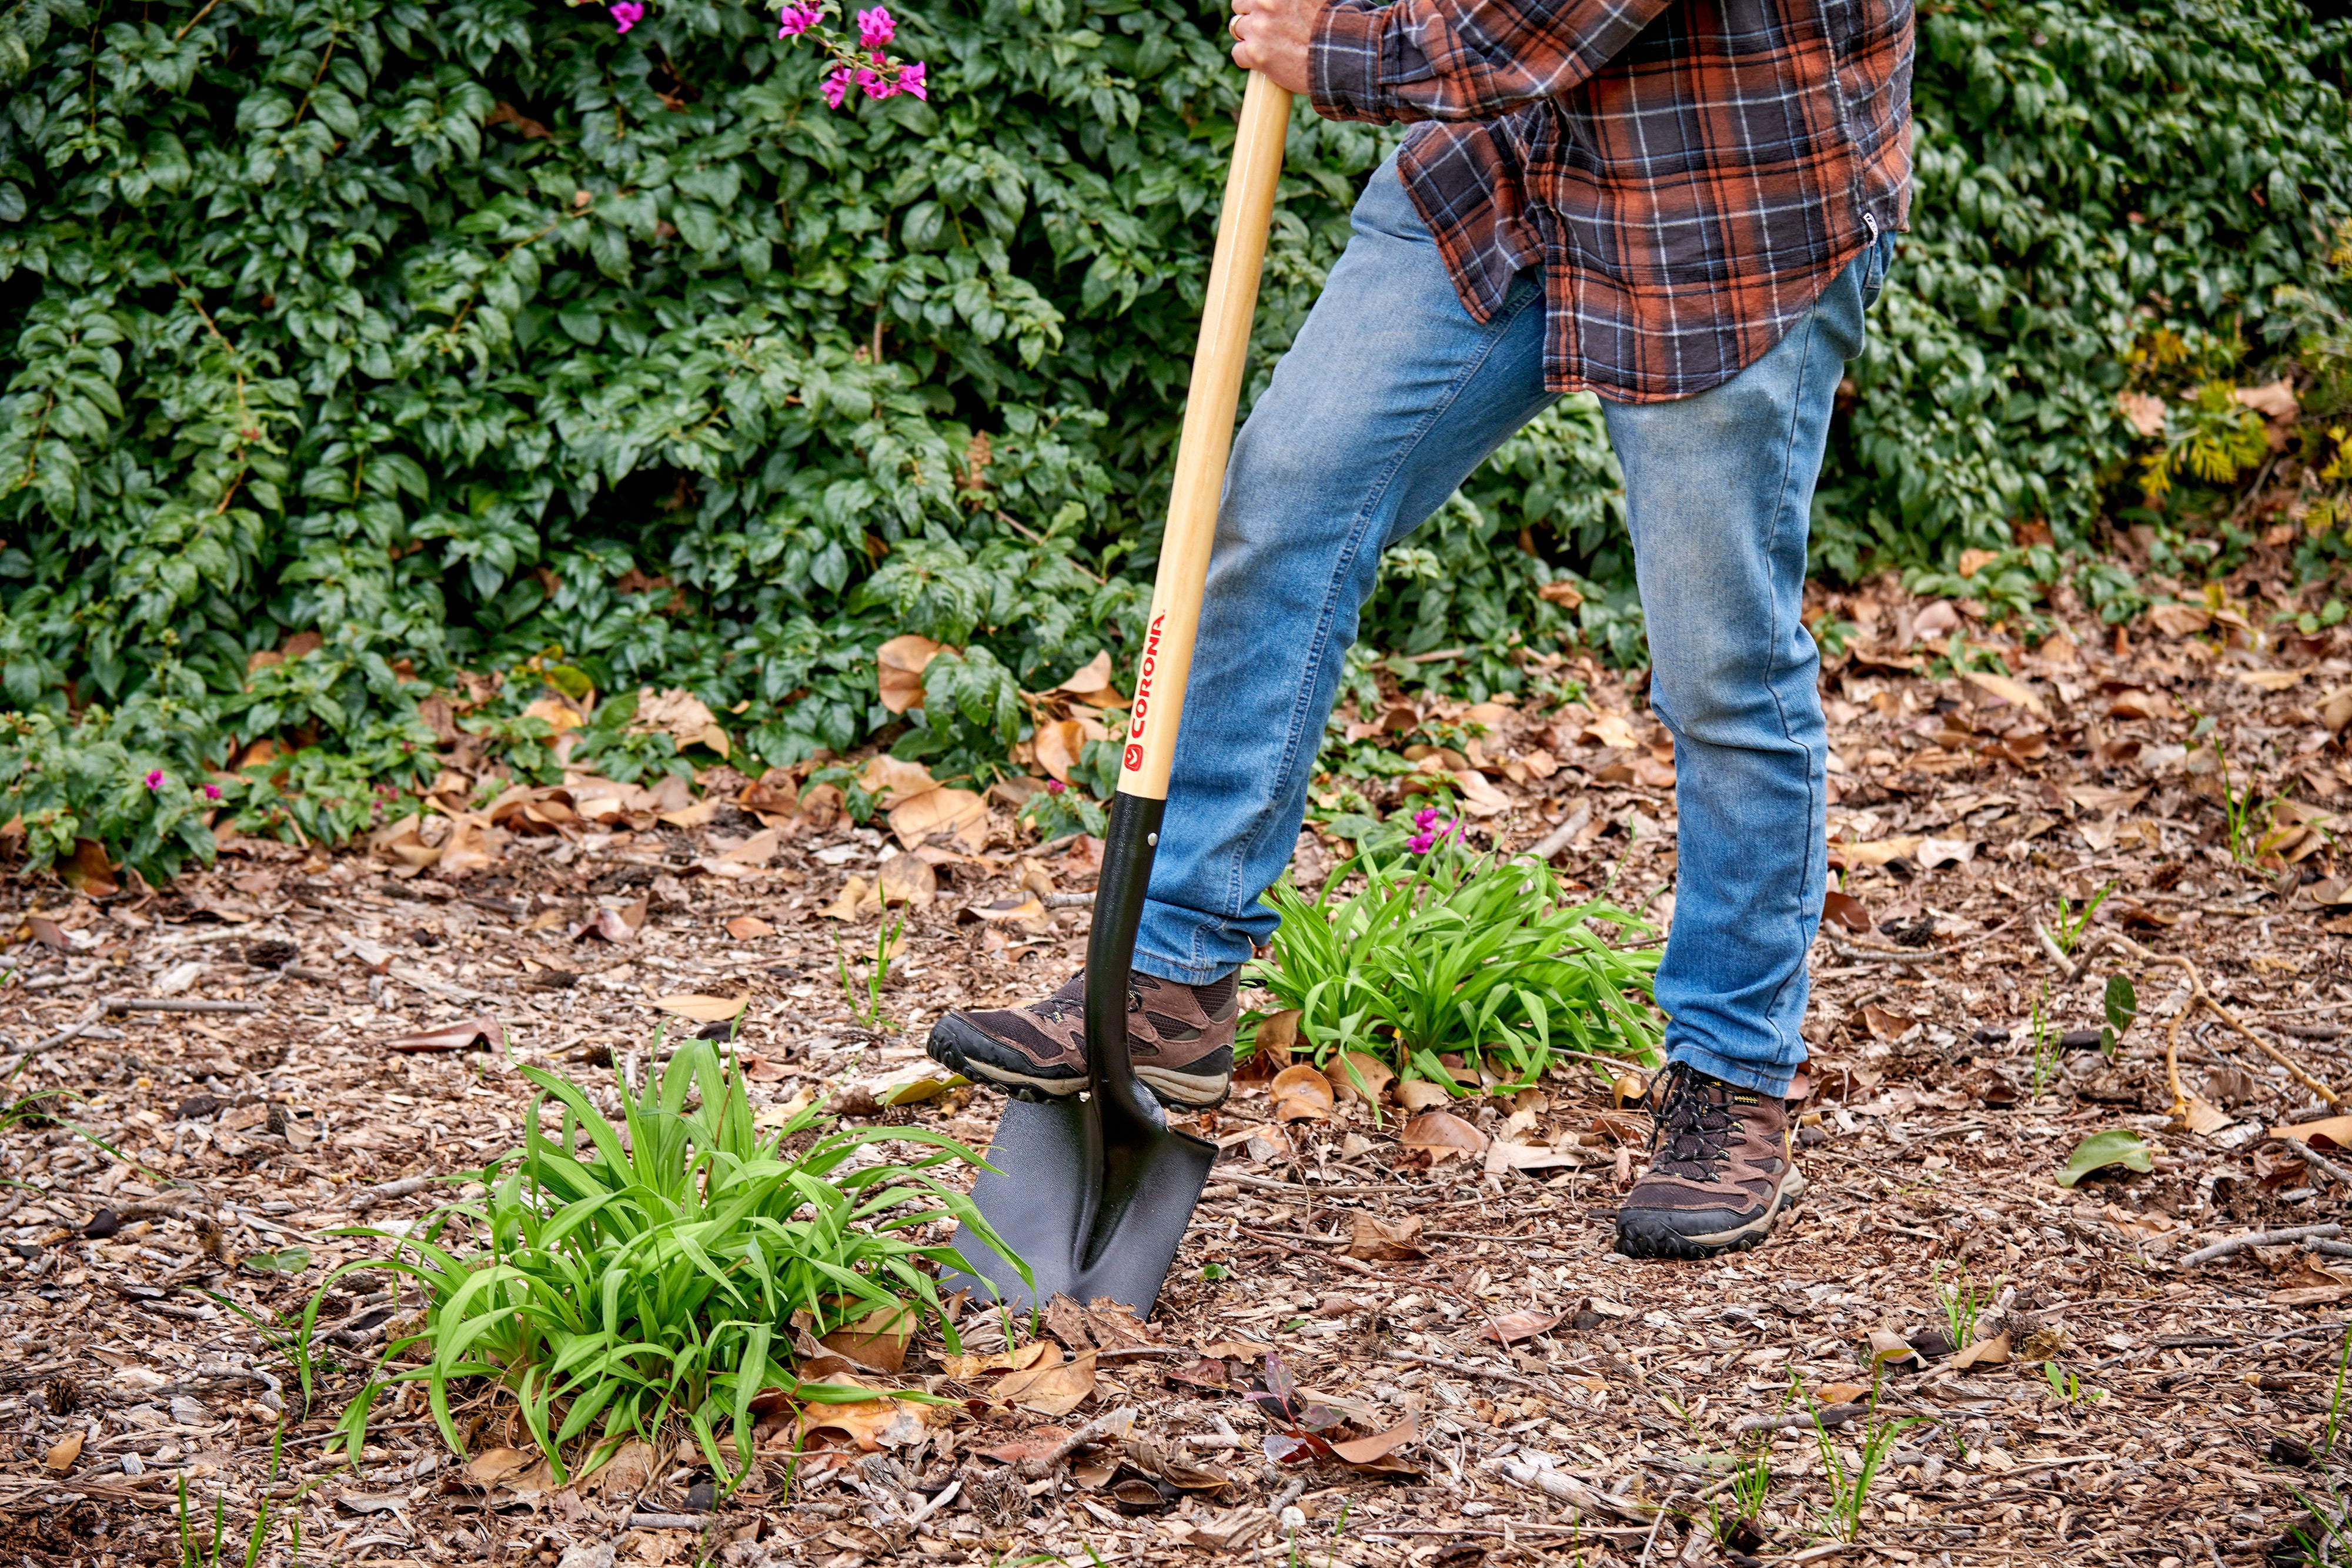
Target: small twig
{"x": 194, "y": 19}
{"x": 1560, "y": 837}
{"x": 2237, "y": 1244}
{"x": 1829, "y": 1416}
{"x": 1568, "y": 1490}
{"x": 2066, "y": 966}
{"x": 2317, "y": 1161}
{"x": 178, "y": 1005}
{"x": 368, "y": 1197}
{"x": 1464, "y": 1369}
{"x": 671, "y": 1520}
{"x": 1039, "y": 1466}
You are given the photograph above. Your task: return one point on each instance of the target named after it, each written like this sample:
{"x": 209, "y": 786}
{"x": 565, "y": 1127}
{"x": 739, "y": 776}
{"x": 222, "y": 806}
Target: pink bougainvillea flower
{"x": 155, "y": 779}
{"x": 626, "y": 13}
{"x": 910, "y": 80}
{"x": 875, "y": 27}
{"x": 836, "y": 87}
{"x": 212, "y": 791}
{"x": 795, "y": 20}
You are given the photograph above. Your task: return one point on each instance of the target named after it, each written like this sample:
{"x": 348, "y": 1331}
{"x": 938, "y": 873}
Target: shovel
{"x": 1094, "y": 1191}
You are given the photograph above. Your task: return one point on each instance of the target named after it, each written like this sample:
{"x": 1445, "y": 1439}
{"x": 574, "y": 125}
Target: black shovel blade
{"x": 1094, "y": 1191}
{"x": 1091, "y": 1215}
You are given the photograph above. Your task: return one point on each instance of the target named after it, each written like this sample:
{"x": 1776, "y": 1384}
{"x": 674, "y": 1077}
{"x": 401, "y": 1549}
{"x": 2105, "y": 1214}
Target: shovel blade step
{"x": 1090, "y": 1219}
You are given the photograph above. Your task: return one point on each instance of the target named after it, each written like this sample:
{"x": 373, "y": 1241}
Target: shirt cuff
{"x": 1343, "y": 63}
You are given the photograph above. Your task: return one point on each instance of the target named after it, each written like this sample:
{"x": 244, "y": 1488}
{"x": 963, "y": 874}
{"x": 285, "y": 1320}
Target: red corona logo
{"x": 1151, "y": 666}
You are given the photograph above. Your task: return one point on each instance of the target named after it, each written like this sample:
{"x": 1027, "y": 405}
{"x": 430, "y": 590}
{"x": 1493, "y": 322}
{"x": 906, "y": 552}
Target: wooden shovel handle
{"x": 1218, "y": 364}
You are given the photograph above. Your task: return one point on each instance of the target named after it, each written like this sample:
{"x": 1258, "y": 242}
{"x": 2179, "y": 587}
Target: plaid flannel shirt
{"x": 1690, "y": 173}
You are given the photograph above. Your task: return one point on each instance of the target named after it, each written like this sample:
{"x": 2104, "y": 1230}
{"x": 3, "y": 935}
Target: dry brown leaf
{"x": 1060, "y": 743}
{"x": 1480, "y": 799}
{"x": 632, "y": 1468}
{"x": 960, "y": 814}
{"x": 850, "y": 902}
{"x": 702, "y": 1009}
{"x": 1277, "y": 1037}
{"x": 2144, "y": 410}
{"x": 1885, "y": 1023}
{"x": 1844, "y": 909}
{"x": 2310, "y": 1296}
{"x": 2328, "y": 1132}
{"x": 1091, "y": 684}
{"x": 1991, "y": 1352}
{"x": 744, "y": 928}
{"x": 2270, "y": 680}
{"x": 2014, "y": 692}
{"x": 1440, "y": 1136}
{"x": 1355, "y": 1073}
{"x": 64, "y": 1451}
{"x": 2180, "y": 620}
{"x": 680, "y": 715}
{"x": 878, "y": 1342}
{"x": 899, "y": 664}
{"x": 483, "y": 1031}
{"x": 909, "y": 880}
{"x": 2204, "y": 1118}
{"x": 2272, "y": 399}
{"x": 1420, "y": 1094}
{"x": 1051, "y": 1387}
{"x": 1301, "y": 1093}
{"x": 492, "y": 1466}
{"x": 1380, "y": 1444}
{"x": 965, "y": 1368}
{"x": 1513, "y": 1326}
{"x": 1385, "y": 1240}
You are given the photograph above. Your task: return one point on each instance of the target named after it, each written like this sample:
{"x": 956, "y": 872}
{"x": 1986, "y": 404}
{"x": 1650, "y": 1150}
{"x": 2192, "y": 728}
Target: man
{"x": 1684, "y": 206}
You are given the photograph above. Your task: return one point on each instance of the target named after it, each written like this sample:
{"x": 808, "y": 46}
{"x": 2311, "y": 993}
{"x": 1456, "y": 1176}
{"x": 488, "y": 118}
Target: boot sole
{"x": 1651, "y": 1234}
{"x": 955, "y": 1044}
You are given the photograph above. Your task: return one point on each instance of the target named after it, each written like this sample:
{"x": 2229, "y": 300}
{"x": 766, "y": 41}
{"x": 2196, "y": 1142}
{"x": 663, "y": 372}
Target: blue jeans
{"x": 1388, "y": 399}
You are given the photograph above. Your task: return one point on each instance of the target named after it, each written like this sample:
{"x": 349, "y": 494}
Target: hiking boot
{"x": 1180, "y": 1037}
{"x": 1722, "y": 1169}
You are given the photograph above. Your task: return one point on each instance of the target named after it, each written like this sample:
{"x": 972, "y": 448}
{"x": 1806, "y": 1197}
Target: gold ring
{"x": 1234, "y": 25}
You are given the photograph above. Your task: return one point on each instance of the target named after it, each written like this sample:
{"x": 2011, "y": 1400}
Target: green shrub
{"x": 1446, "y": 952}
{"x": 620, "y": 1281}
{"x": 478, "y": 334}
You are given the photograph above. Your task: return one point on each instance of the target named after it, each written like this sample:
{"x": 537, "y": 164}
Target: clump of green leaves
{"x": 1961, "y": 1302}
{"x": 620, "y": 1281}
{"x": 1441, "y": 950}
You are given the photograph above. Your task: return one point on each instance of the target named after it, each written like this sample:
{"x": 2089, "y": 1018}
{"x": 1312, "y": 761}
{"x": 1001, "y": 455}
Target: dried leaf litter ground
{"x": 1966, "y": 809}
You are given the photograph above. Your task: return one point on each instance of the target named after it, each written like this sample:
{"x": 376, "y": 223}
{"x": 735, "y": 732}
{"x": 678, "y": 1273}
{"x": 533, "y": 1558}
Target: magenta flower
{"x": 910, "y": 80}
{"x": 874, "y": 85}
{"x": 1054, "y": 786}
{"x": 626, "y": 13}
{"x": 795, "y": 20}
{"x": 212, "y": 791}
{"x": 155, "y": 779}
{"x": 1420, "y": 843}
{"x": 875, "y": 27}
{"x": 836, "y": 87}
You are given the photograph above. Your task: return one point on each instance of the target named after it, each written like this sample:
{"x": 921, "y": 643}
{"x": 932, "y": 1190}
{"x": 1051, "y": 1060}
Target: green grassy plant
{"x": 2335, "y": 1400}
{"x": 1443, "y": 951}
{"x": 867, "y": 1009}
{"x": 1960, "y": 1302}
{"x": 1850, "y": 1484}
{"x": 2072, "y": 923}
{"x": 2048, "y": 1046}
{"x": 620, "y": 1281}
{"x": 195, "y": 1552}
{"x": 2067, "y": 1386}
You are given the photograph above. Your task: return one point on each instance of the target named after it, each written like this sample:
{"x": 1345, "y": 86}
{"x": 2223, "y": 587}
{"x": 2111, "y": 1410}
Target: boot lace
{"x": 1695, "y": 1126}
